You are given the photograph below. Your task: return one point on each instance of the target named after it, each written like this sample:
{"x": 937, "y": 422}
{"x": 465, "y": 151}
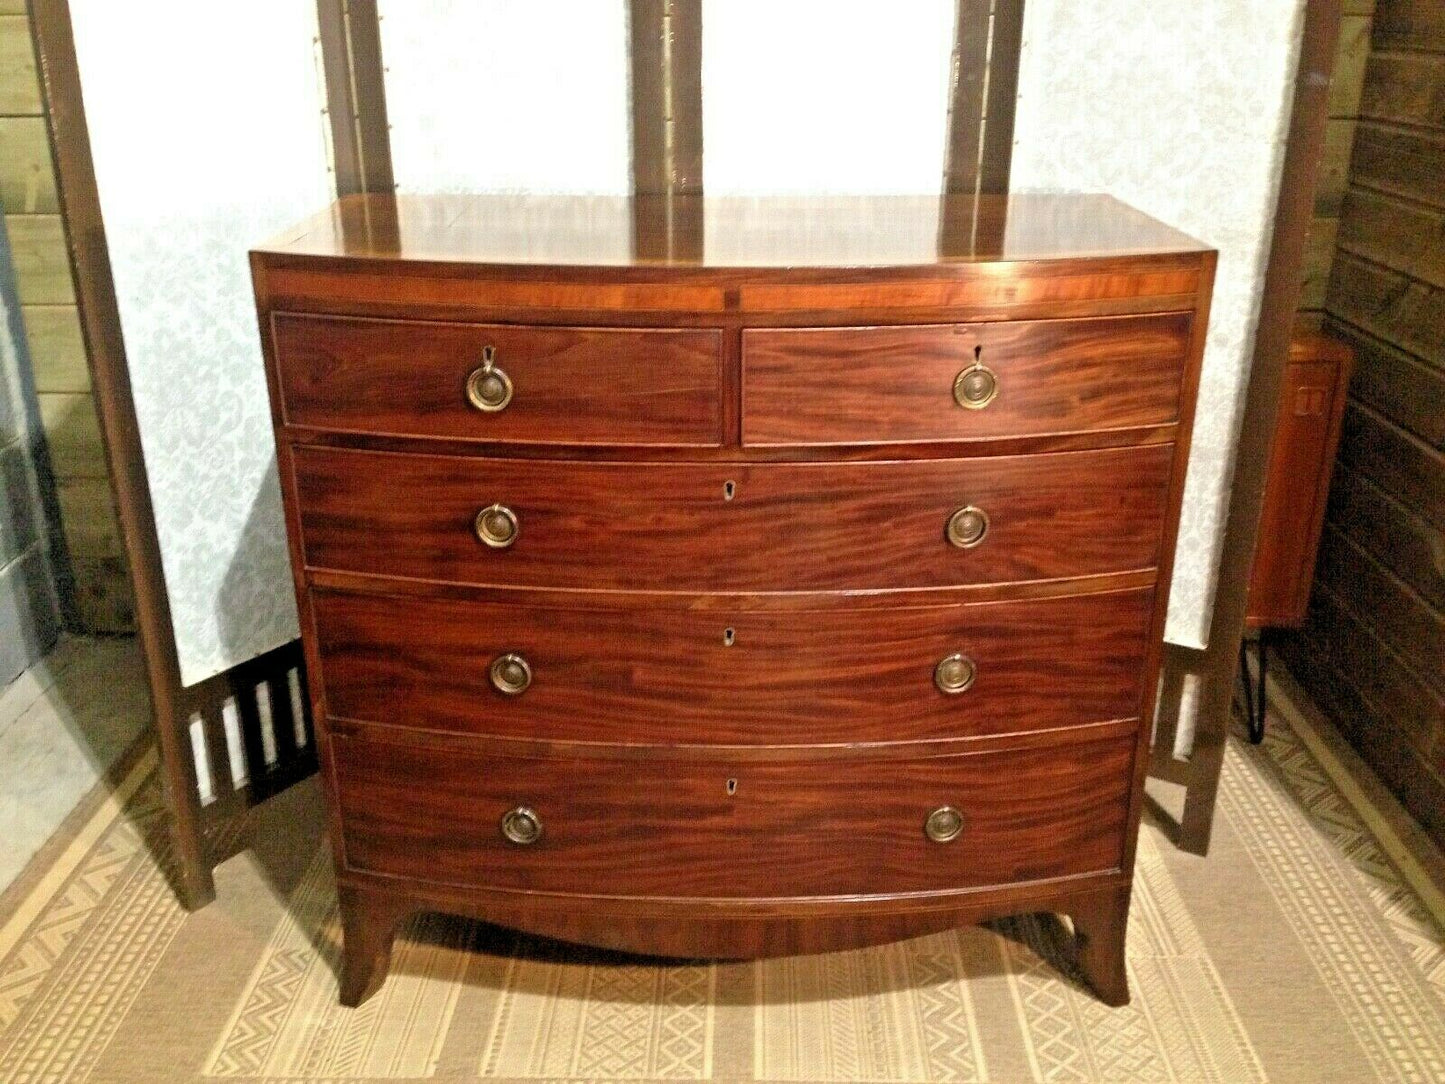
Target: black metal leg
{"x": 1254, "y": 687}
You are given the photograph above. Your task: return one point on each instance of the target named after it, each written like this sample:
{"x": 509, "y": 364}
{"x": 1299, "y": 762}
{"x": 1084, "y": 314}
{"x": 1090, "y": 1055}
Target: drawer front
{"x": 732, "y": 527}
{"x": 639, "y": 827}
{"x": 567, "y": 385}
{"x": 761, "y": 678}
{"x": 878, "y": 384}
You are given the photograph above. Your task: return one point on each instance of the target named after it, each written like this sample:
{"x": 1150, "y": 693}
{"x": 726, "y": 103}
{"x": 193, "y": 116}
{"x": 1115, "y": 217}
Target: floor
{"x": 1308, "y": 947}
{"x": 63, "y": 724}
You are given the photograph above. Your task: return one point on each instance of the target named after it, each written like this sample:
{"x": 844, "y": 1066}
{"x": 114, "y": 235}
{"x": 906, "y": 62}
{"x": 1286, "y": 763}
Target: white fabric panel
{"x": 208, "y": 135}
{"x": 1181, "y": 109}
{"x": 805, "y": 96}
{"x": 482, "y": 95}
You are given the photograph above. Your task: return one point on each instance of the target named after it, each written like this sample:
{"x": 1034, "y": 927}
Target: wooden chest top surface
{"x": 736, "y": 232}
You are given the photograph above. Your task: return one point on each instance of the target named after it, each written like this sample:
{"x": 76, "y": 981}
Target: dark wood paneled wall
{"x": 1373, "y": 650}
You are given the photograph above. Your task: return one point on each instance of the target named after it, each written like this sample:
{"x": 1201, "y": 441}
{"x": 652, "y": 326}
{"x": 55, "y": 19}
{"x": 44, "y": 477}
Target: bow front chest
{"x": 726, "y": 577}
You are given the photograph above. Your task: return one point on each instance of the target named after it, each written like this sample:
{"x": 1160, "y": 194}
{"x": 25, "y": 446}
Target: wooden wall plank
{"x": 1415, "y": 711}
{"x": 1403, "y": 466}
{"x": 1390, "y": 306}
{"x": 1372, "y": 651}
{"x": 72, "y": 433}
{"x": 19, "y": 86}
{"x": 27, "y": 180}
{"x": 88, "y": 513}
{"x": 1403, "y": 236}
{"x": 1413, "y": 777}
{"x": 103, "y": 598}
{"x": 1318, "y": 258}
{"x": 1401, "y": 162}
{"x": 57, "y": 349}
{"x": 1405, "y": 88}
{"x": 1351, "y": 58}
{"x": 1400, "y": 540}
{"x": 1397, "y": 616}
{"x": 1410, "y": 24}
{"x": 42, "y": 270}
{"x": 1334, "y": 169}
{"x": 1396, "y": 385}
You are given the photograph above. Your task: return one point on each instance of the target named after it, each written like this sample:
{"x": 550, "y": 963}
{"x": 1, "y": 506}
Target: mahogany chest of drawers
{"x": 790, "y": 585}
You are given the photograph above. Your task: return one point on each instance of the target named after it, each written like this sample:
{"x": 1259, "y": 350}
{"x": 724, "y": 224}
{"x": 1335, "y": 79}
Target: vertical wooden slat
{"x": 115, "y": 405}
{"x": 281, "y": 725}
{"x": 988, "y": 36}
{"x": 667, "y": 149}
{"x": 350, "y": 32}
{"x": 996, "y": 162}
{"x": 1282, "y": 286}
{"x": 969, "y": 79}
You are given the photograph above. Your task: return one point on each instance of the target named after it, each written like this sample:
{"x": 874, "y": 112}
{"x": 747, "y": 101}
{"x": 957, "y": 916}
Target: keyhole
{"x": 729, "y": 635}
{"x": 732, "y": 787}
{"x": 977, "y": 354}
{"x": 729, "y": 488}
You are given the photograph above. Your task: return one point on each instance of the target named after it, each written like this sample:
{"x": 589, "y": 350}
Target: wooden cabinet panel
{"x": 785, "y": 526}
{"x": 717, "y": 829}
{"x": 566, "y": 385}
{"x": 878, "y": 384}
{"x": 650, "y": 675}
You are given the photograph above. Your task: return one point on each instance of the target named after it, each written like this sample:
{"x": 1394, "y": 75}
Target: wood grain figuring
{"x": 1371, "y": 650}
{"x": 1312, "y": 402}
{"x": 788, "y": 830}
{"x": 650, "y": 676}
{"x": 881, "y": 384}
{"x": 787, "y": 527}
{"x": 732, "y": 467}
{"x": 569, "y": 385}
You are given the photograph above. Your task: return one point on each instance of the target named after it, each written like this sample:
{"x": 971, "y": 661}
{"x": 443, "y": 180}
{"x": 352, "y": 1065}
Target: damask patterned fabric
{"x": 1183, "y": 111}
{"x": 208, "y": 136}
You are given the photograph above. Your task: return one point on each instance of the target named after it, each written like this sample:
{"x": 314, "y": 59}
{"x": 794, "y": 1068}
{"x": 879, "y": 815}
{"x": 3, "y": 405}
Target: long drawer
{"x": 961, "y": 382}
{"x": 501, "y": 382}
{"x": 595, "y": 674}
{"x": 703, "y": 828}
{"x": 732, "y": 527}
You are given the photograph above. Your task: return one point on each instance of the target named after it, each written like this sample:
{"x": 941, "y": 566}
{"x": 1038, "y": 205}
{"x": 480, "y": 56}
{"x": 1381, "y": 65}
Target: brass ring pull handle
{"x": 511, "y": 674}
{"x": 975, "y": 387}
{"x": 955, "y": 674}
{"x": 497, "y": 526}
{"x": 521, "y": 826}
{"x": 943, "y": 824}
{"x": 966, "y": 527}
{"x": 489, "y": 389}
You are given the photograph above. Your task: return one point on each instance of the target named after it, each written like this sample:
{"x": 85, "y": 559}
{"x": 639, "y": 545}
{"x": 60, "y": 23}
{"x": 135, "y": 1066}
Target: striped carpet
{"x": 1306, "y": 947}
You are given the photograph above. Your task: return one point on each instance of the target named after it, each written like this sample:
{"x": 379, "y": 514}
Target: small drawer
{"x": 677, "y": 675}
{"x": 500, "y": 382}
{"x": 698, "y": 527}
{"x": 446, "y": 812}
{"x": 961, "y": 382}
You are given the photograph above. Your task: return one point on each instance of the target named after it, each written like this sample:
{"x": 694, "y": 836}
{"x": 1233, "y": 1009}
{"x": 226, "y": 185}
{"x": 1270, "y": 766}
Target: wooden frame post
{"x": 120, "y": 435}
{"x": 1215, "y": 667}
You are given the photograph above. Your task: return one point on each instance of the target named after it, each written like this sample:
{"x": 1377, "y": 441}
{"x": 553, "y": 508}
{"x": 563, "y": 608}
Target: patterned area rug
{"x": 1295, "y": 952}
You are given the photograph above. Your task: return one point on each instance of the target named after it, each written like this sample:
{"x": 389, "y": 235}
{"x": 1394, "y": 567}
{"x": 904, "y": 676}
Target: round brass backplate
{"x": 511, "y": 674}
{"x": 489, "y": 389}
{"x": 954, "y": 674}
{"x": 521, "y": 826}
{"x": 967, "y": 526}
{"x": 975, "y": 387}
{"x": 497, "y": 526}
{"x": 943, "y": 824}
